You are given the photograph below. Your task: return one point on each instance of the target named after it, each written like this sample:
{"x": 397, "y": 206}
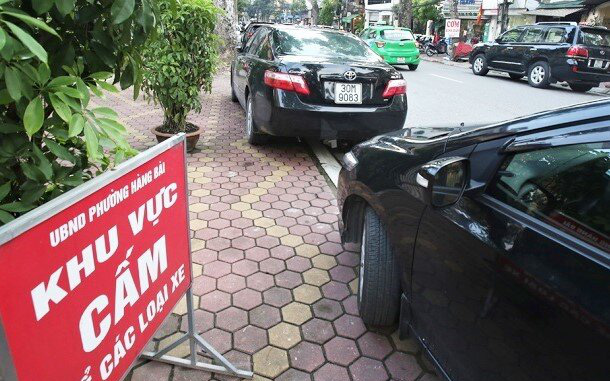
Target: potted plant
{"x": 179, "y": 63}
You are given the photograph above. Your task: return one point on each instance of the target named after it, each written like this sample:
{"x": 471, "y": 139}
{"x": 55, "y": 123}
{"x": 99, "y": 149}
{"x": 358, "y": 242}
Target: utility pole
{"x": 504, "y": 16}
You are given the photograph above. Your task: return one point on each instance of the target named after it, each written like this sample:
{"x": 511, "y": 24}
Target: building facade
{"x": 380, "y": 11}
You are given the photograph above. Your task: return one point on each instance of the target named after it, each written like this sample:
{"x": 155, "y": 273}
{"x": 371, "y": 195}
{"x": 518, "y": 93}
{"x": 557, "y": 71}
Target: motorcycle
{"x": 439, "y": 48}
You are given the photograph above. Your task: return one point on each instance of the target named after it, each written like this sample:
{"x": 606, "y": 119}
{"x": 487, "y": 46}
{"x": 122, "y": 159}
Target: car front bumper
{"x": 289, "y": 116}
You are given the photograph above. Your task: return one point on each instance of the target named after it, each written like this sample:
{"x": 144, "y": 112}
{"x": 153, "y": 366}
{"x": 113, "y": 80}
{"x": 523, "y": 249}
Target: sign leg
{"x": 224, "y": 367}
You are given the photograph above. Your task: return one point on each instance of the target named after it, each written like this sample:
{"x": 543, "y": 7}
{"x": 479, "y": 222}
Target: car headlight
{"x": 349, "y": 161}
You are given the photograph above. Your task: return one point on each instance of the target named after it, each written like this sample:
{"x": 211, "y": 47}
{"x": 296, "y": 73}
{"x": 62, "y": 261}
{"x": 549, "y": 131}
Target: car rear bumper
{"x": 582, "y": 74}
{"x": 287, "y": 115}
{"x": 410, "y": 58}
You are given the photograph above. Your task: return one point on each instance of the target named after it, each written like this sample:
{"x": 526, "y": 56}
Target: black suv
{"x": 547, "y": 53}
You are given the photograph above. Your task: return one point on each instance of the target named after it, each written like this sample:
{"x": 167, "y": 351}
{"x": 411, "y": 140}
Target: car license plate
{"x": 348, "y": 93}
{"x": 401, "y": 60}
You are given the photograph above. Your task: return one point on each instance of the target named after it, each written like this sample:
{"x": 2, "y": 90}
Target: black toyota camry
{"x": 491, "y": 244}
{"x": 314, "y": 82}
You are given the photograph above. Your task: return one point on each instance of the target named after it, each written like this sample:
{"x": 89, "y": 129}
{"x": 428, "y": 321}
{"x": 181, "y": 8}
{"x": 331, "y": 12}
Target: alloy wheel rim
{"x": 478, "y": 64}
{"x": 361, "y": 273}
{"x": 538, "y": 74}
{"x": 249, "y": 118}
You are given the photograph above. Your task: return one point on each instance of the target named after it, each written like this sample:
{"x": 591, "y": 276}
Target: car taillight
{"x": 395, "y": 87}
{"x": 380, "y": 44}
{"x": 578, "y": 52}
{"x": 288, "y": 82}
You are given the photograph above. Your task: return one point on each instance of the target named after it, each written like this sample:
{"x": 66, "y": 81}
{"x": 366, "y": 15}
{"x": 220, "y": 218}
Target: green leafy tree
{"x": 181, "y": 61}
{"x": 328, "y": 11}
{"x": 424, "y": 10}
{"x": 298, "y": 7}
{"x": 262, "y": 9}
{"x": 54, "y": 56}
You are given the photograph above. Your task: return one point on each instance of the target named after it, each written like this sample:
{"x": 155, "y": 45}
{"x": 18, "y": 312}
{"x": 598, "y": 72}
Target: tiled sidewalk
{"x": 274, "y": 287}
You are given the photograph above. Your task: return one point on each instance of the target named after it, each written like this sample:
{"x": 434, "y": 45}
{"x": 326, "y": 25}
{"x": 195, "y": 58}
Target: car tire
{"x": 252, "y": 135}
{"x": 539, "y": 75}
{"x": 233, "y": 96}
{"x": 580, "y": 88}
{"x": 379, "y": 282}
{"x": 479, "y": 65}
{"x": 413, "y": 67}
{"x": 514, "y": 76}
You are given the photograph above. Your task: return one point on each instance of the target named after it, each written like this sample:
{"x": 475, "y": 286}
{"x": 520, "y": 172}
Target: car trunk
{"x": 322, "y": 75}
{"x": 400, "y": 47}
{"x": 597, "y": 42}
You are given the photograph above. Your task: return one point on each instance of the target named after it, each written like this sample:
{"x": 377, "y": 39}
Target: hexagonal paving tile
{"x": 341, "y": 351}
{"x": 306, "y": 356}
{"x": 250, "y": 339}
{"x": 265, "y": 316}
{"x": 349, "y": 326}
{"x": 288, "y": 279}
{"x": 316, "y": 277}
{"x": 318, "y": 330}
{"x": 284, "y": 335}
{"x": 331, "y": 372}
{"x": 296, "y": 313}
{"x": 247, "y": 299}
{"x": 366, "y": 369}
{"x": 270, "y": 361}
{"x": 215, "y": 301}
{"x": 231, "y": 283}
{"x": 403, "y": 367}
{"x": 374, "y": 345}
{"x": 277, "y": 296}
{"x": 231, "y": 319}
{"x": 306, "y": 293}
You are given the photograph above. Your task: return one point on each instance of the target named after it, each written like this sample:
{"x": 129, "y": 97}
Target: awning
{"x": 562, "y": 12}
{"x": 348, "y": 19}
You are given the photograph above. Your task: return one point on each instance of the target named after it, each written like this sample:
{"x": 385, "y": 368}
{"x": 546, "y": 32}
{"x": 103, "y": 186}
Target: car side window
{"x": 555, "y": 36}
{"x": 512, "y": 35}
{"x": 264, "y": 51}
{"x": 533, "y": 35}
{"x": 567, "y": 187}
{"x": 255, "y": 40}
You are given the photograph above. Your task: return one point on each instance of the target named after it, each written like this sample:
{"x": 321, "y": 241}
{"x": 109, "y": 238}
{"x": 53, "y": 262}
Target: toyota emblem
{"x": 350, "y": 75}
{"x": 602, "y": 52}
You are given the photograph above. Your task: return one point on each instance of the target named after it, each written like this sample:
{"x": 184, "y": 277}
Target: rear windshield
{"x": 321, "y": 43}
{"x": 397, "y": 35}
{"x": 594, "y": 37}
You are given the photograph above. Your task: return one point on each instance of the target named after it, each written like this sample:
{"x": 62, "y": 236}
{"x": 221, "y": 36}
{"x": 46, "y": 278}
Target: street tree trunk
{"x": 405, "y": 17}
{"x": 227, "y": 24}
{"x": 315, "y": 11}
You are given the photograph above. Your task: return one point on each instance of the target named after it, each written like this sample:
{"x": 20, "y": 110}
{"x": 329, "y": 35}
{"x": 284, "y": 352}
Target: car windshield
{"x": 397, "y": 35}
{"x": 321, "y": 43}
{"x": 594, "y": 37}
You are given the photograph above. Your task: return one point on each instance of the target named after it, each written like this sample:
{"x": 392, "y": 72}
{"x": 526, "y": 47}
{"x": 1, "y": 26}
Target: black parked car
{"x": 249, "y": 31}
{"x": 315, "y": 82}
{"x": 492, "y": 244}
{"x": 549, "y": 52}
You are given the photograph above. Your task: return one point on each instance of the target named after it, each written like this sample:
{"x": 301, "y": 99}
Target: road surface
{"x": 443, "y": 95}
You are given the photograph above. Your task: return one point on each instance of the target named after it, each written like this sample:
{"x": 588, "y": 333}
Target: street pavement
{"x": 447, "y": 95}
{"x": 275, "y": 290}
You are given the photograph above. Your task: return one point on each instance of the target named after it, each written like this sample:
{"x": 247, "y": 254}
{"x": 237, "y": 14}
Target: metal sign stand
{"x": 195, "y": 340}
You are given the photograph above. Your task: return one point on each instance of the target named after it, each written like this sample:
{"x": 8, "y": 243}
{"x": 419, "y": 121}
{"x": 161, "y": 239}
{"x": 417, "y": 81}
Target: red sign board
{"x": 84, "y": 288}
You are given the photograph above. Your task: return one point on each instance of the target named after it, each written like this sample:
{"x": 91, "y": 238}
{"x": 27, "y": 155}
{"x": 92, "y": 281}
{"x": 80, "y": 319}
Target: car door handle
{"x": 533, "y": 49}
{"x": 509, "y": 48}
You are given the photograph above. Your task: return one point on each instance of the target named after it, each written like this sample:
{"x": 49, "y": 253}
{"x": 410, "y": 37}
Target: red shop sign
{"x": 86, "y": 279}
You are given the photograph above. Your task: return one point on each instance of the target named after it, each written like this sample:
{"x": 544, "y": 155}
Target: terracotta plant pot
{"x": 191, "y": 138}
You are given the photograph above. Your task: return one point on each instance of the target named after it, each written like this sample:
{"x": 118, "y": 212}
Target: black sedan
{"x": 491, "y": 245}
{"x": 314, "y": 82}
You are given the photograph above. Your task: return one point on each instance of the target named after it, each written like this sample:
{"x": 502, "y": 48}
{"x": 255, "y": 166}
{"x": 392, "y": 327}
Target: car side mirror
{"x": 499, "y": 40}
{"x": 443, "y": 181}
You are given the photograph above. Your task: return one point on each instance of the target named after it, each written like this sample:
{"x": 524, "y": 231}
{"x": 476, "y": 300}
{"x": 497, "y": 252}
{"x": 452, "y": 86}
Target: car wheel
{"x": 579, "y": 87}
{"x": 479, "y": 65}
{"x": 233, "y": 96}
{"x": 515, "y": 76}
{"x": 252, "y": 135}
{"x": 379, "y": 285}
{"x": 539, "y": 75}
{"x": 413, "y": 67}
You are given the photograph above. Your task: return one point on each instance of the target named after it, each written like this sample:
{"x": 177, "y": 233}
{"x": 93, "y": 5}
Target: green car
{"x": 395, "y": 45}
